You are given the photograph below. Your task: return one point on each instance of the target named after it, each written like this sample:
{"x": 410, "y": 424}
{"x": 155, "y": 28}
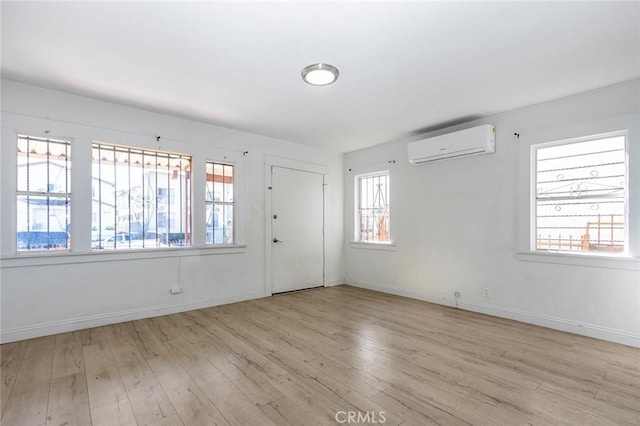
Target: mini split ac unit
{"x": 472, "y": 141}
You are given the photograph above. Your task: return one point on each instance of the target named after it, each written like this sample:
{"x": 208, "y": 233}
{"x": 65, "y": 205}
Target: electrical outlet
{"x": 457, "y": 294}
{"x": 486, "y": 293}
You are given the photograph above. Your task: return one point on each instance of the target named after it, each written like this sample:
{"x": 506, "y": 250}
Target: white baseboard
{"x": 47, "y": 329}
{"x": 589, "y": 330}
{"x": 334, "y": 283}
{"x": 439, "y": 300}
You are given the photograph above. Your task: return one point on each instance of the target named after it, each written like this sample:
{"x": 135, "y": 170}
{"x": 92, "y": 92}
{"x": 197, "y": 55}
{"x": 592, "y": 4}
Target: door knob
{"x": 275, "y": 240}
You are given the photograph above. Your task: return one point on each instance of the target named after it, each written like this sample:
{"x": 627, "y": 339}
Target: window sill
{"x": 68, "y": 257}
{"x": 373, "y": 246}
{"x": 594, "y": 261}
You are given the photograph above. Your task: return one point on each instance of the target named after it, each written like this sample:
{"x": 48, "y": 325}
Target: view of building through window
{"x": 43, "y": 194}
{"x": 580, "y": 200}
{"x": 220, "y": 203}
{"x": 141, "y": 198}
{"x": 372, "y": 220}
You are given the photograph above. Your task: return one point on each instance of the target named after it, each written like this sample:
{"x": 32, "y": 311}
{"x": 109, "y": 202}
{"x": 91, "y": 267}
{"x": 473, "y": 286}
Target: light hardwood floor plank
{"x": 217, "y": 387}
{"x": 190, "y": 401}
{"x": 305, "y": 357}
{"x": 108, "y": 399}
{"x": 68, "y": 393}
{"x": 69, "y": 401}
{"x": 11, "y": 358}
{"x": 284, "y": 412}
{"x": 148, "y": 400}
{"x": 29, "y": 398}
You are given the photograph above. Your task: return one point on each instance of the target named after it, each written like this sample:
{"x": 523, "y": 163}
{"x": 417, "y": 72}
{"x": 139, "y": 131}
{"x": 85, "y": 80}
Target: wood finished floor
{"x": 301, "y": 358}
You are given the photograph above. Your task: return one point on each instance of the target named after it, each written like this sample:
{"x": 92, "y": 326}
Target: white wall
{"x": 463, "y": 225}
{"x": 458, "y": 225}
{"x": 51, "y": 293}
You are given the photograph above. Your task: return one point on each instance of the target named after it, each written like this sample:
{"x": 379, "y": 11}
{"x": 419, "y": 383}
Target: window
{"x": 141, "y": 198}
{"x": 581, "y": 195}
{"x": 219, "y": 203}
{"x": 43, "y": 194}
{"x": 372, "y": 215}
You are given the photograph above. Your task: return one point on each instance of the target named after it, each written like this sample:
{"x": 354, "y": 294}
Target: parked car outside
{"x": 34, "y": 240}
{"x": 124, "y": 240}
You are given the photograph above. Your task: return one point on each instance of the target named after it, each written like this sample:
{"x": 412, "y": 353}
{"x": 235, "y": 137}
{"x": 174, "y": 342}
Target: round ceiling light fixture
{"x": 320, "y": 74}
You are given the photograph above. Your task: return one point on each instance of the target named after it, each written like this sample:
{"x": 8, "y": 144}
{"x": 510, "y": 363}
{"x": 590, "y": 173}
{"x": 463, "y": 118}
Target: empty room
{"x": 319, "y": 213}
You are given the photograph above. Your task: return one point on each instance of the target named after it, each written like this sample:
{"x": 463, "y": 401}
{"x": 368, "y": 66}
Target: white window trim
{"x": 373, "y": 245}
{"x": 81, "y": 138}
{"x": 356, "y": 242}
{"x": 61, "y": 257}
{"x": 578, "y": 259}
{"x": 153, "y": 150}
{"x": 17, "y": 193}
{"x": 224, "y": 203}
{"x": 240, "y": 197}
{"x": 532, "y": 192}
{"x": 526, "y": 208}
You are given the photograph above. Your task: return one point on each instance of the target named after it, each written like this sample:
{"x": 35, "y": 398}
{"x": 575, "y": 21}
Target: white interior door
{"x": 297, "y": 228}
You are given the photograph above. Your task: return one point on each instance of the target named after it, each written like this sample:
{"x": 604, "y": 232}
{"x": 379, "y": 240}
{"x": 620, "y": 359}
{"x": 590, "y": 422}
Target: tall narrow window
{"x": 372, "y": 221}
{"x": 220, "y": 203}
{"x": 581, "y": 193}
{"x": 43, "y": 194}
{"x": 141, "y": 198}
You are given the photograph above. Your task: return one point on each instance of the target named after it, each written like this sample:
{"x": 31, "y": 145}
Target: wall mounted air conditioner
{"x": 473, "y": 141}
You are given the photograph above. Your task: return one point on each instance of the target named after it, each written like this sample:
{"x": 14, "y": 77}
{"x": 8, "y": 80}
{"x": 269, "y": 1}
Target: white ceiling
{"x": 404, "y": 67}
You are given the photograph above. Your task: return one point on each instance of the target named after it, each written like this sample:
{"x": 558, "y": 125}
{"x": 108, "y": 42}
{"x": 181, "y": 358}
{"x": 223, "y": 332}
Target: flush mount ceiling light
{"x": 320, "y": 74}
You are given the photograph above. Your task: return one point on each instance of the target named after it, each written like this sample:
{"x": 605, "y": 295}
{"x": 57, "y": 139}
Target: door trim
{"x": 303, "y": 166}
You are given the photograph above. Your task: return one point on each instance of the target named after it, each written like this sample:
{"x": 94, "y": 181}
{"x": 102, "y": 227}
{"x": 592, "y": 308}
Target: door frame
{"x": 302, "y": 166}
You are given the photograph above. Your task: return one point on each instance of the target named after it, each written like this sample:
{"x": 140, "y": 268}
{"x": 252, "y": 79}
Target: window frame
{"x": 223, "y": 203}
{"x": 18, "y": 193}
{"x": 81, "y": 138}
{"x": 533, "y": 218}
{"x": 189, "y": 198}
{"x": 357, "y": 233}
